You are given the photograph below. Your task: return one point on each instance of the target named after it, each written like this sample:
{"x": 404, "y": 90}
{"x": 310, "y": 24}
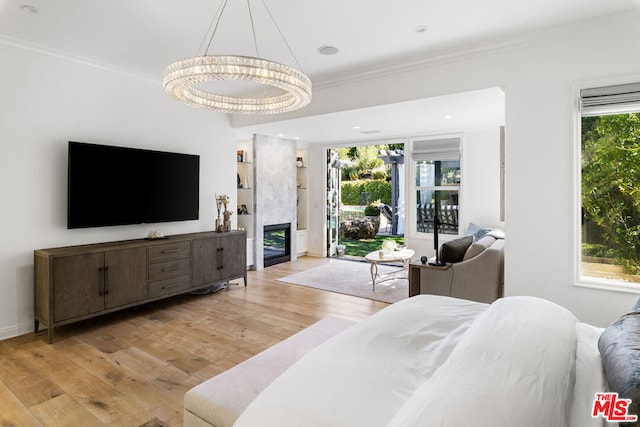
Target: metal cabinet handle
{"x": 106, "y": 280}
{"x": 101, "y": 271}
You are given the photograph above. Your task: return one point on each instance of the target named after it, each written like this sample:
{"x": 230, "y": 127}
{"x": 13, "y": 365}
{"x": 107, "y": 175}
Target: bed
{"x": 439, "y": 361}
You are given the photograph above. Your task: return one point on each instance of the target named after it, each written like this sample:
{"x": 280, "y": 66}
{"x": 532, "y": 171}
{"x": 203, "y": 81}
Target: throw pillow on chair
{"x": 453, "y": 251}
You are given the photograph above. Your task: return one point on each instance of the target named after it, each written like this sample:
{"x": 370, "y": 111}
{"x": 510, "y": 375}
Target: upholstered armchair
{"x": 477, "y": 273}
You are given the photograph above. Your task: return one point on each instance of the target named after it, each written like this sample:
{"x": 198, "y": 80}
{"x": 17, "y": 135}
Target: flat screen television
{"x": 110, "y": 185}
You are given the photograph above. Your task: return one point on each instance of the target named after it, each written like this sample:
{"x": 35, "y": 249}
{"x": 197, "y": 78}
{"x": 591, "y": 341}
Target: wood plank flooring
{"x": 132, "y": 368}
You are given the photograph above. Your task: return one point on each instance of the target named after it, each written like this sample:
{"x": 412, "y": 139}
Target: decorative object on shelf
{"x": 241, "y": 156}
{"x": 299, "y": 162}
{"x": 227, "y": 220}
{"x": 222, "y": 201}
{"x": 155, "y": 234}
{"x": 246, "y": 182}
{"x": 239, "y": 183}
{"x": 183, "y": 79}
{"x": 242, "y": 210}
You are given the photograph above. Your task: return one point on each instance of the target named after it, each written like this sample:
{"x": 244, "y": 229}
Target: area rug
{"x": 352, "y": 278}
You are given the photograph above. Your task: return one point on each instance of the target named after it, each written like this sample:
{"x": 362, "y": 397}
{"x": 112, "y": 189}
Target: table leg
{"x": 374, "y": 274}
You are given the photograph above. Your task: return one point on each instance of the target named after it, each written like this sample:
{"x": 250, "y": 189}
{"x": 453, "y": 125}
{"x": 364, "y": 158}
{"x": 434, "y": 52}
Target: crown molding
{"x": 458, "y": 53}
{"x": 419, "y": 61}
{"x": 39, "y": 50}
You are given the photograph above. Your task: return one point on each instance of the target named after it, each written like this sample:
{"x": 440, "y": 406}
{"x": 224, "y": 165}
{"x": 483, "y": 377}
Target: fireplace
{"x": 276, "y": 244}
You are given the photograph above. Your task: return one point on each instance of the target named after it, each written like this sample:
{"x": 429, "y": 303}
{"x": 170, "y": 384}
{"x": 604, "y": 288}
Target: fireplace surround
{"x": 276, "y": 244}
{"x": 275, "y": 192}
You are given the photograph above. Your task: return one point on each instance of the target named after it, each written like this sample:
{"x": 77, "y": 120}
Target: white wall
{"x": 540, "y": 78}
{"x": 47, "y": 101}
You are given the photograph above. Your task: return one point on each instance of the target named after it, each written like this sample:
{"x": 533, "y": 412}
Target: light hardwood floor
{"x": 132, "y": 368}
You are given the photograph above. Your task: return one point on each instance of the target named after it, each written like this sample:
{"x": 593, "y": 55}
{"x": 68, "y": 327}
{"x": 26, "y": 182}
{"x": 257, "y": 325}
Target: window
{"x": 437, "y": 184}
{"x": 610, "y": 184}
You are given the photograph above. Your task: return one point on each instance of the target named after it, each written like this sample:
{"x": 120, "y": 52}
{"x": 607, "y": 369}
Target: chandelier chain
{"x": 282, "y": 35}
{"x": 221, "y": 8}
{"x": 253, "y": 29}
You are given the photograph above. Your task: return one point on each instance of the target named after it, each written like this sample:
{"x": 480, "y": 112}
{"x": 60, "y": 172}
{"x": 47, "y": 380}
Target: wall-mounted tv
{"x": 110, "y": 185}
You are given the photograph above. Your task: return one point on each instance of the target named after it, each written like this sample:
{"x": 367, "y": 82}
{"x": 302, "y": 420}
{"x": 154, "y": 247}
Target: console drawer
{"x": 172, "y": 268}
{"x": 169, "y": 286}
{"x": 169, "y": 251}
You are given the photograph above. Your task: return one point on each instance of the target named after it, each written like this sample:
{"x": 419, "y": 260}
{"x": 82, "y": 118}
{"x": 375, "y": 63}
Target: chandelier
{"x": 293, "y": 86}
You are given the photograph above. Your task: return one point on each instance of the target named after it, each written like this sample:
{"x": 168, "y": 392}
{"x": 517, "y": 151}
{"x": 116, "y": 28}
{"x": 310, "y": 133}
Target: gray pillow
{"x": 619, "y": 346}
{"x": 454, "y": 250}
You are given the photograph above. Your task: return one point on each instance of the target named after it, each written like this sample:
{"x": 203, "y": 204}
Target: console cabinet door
{"x": 233, "y": 255}
{"x": 204, "y": 262}
{"x": 78, "y": 285}
{"x": 125, "y": 276}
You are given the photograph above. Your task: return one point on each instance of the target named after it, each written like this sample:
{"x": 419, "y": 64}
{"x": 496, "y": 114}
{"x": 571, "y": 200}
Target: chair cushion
{"x": 454, "y": 250}
{"x": 478, "y": 247}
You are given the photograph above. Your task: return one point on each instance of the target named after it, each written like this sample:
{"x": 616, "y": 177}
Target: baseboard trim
{"x": 17, "y": 330}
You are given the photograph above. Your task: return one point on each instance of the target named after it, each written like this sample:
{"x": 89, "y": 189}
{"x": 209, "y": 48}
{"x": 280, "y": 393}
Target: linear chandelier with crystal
{"x": 181, "y": 77}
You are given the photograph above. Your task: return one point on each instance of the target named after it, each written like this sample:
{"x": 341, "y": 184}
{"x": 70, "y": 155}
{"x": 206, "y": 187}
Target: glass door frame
{"x": 333, "y": 198}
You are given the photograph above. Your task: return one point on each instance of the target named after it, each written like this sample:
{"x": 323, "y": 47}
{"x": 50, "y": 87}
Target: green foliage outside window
{"x": 372, "y": 210}
{"x": 611, "y": 186}
{"x": 377, "y": 189}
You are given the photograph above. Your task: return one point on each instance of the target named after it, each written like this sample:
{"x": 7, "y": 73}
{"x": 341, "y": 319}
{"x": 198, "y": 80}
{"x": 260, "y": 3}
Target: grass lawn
{"x": 363, "y": 247}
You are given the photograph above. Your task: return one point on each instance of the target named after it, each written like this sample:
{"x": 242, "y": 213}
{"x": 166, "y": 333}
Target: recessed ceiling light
{"x": 448, "y": 116}
{"x": 420, "y": 28}
{"x": 356, "y": 127}
{"x": 327, "y": 50}
{"x": 27, "y": 8}
{"x": 296, "y": 138}
{"x": 280, "y": 135}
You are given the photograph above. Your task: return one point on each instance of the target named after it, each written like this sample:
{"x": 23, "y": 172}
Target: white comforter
{"x": 437, "y": 361}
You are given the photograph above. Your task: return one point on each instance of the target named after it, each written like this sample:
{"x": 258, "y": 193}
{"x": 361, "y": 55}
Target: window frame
{"x": 412, "y": 188}
{"x": 580, "y": 280}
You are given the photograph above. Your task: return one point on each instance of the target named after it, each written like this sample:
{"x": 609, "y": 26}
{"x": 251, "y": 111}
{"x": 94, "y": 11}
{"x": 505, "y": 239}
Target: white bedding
{"x": 438, "y": 361}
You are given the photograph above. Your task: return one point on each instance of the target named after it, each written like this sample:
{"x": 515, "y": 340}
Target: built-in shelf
{"x": 244, "y": 192}
{"x": 301, "y": 180}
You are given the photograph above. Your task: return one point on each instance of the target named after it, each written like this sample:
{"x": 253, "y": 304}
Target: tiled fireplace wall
{"x": 275, "y": 189}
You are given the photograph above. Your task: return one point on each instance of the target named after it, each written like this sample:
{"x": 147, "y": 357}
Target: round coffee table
{"x": 403, "y": 255}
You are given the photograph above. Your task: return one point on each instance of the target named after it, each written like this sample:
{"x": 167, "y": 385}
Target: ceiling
{"x": 144, "y": 36}
{"x": 460, "y": 112}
